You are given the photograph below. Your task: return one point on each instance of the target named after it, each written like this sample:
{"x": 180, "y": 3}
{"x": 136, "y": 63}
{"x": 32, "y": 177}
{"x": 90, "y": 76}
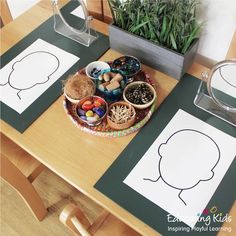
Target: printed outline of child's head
{"x": 213, "y": 159}
{"x": 51, "y": 58}
{"x": 224, "y": 77}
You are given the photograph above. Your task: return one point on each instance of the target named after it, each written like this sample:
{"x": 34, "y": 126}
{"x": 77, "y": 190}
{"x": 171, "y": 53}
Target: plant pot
{"x": 163, "y": 59}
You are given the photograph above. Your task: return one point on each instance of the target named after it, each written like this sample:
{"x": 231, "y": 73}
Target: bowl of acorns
{"x": 139, "y": 94}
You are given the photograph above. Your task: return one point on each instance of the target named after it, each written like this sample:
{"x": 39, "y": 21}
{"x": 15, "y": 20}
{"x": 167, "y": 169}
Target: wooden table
{"x": 79, "y": 158}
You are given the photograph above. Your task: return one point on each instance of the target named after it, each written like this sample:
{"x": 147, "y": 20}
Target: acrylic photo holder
{"x": 217, "y": 92}
{"x": 83, "y": 35}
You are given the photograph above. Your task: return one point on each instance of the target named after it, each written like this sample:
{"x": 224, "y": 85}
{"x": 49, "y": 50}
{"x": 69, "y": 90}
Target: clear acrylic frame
{"x": 206, "y": 99}
{"x": 84, "y": 35}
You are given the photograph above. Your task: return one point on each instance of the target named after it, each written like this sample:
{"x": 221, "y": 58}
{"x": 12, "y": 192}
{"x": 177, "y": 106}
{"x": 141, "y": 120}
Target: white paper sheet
{"x": 78, "y": 11}
{"x": 183, "y": 167}
{"x": 32, "y": 72}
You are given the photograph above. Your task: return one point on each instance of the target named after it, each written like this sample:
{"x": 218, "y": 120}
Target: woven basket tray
{"x": 103, "y": 130}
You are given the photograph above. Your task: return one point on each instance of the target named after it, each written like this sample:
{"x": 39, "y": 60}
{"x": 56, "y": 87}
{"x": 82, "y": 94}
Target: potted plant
{"x": 161, "y": 33}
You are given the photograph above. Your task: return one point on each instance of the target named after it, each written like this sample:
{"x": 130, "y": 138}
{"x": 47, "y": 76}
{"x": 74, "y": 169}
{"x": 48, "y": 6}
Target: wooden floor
{"x": 16, "y": 218}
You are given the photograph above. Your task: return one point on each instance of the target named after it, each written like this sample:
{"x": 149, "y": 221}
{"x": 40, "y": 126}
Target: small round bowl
{"x": 82, "y": 85}
{"x": 114, "y": 94}
{"x": 126, "y": 123}
{"x": 97, "y": 66}
{"x": 134, "y": 85}
{"x": 95, "y": 106}
{"x": 75, "y": 101}
{"x": 129, "y": 65}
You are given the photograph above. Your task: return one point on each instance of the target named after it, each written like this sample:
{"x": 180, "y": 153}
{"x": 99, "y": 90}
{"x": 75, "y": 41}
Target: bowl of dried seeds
{"x": 139, "y": 94}
{"x": 121, "y": 115}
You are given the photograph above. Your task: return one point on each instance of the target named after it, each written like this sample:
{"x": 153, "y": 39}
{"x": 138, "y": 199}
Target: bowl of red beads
{"x": 91, "y": 110}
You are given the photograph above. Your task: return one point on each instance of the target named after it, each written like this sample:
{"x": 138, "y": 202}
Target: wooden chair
{"x": 105, "y": 224}
{"x": 19, "y": 169}
{"x": 5, "y": 16}
{"x": 231, "y": 54}
{"x": 100, "y": 10}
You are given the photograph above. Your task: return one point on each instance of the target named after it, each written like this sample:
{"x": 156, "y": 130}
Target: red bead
{"x": 97, "y": 104}
{"x": 87, "y": 107}
{"x": 100, "y": 100}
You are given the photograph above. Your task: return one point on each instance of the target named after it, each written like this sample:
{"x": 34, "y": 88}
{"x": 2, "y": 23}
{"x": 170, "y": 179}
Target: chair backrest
{"x": 107, "y": 17}
{"x": 19, "y": 169}
{"x": 5, "y": 16}
{"x": 231, "y": 54}
{"x": 100, "y": 10}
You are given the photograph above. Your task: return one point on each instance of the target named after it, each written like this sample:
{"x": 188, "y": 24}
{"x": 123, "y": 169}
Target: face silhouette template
{"x": 195, "y": 157}
{"x": 33, "y": 69}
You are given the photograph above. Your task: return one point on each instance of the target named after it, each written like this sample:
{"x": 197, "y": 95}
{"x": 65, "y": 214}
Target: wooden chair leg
{"x": 6, "y": 16}
{"x": 23, "y": 186}
{"x": 36, "y": 173}
{"x": 98, "y": 222}
{"x": 73, "y": 217}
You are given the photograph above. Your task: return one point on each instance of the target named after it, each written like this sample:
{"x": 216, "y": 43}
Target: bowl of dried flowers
{"x": 121, "y": 115}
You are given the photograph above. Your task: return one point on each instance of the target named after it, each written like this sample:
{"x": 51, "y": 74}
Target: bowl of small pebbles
{"x": 111, "y": 83}
{"x": 139, "y": 94}
{"x": 94, "y": 68}
{"x": 92, "y": 110}
{"x": 121, "y": 115}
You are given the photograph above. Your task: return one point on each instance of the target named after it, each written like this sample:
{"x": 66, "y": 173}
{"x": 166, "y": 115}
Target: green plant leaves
{"x": 137, "y": 27}
{"x": 170, "y": 23}
{"x": 163, "y": 28}
{"x": 191, "y": 38}
{"x": 173, "y": 43}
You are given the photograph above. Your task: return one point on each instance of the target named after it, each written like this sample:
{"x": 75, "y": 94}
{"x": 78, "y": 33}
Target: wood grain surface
{"x": 77, "y": 157}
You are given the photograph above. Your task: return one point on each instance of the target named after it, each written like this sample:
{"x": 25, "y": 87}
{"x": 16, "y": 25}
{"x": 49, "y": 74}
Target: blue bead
{"x": 95, "y": 108}
{"x": 83, "y": 117}
{"x": 80, "y": 112}
{"x": 99, "y": 111}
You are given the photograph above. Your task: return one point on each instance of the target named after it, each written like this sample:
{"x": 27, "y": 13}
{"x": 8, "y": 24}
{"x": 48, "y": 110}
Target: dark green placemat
{"x": 111, "y": 183}
{"x": 46, "y": 32}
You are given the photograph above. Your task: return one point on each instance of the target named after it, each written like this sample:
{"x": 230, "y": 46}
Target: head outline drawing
{"x": 211, "y": 169}
{"x": 159, "y": 163}
{"x": 47, "y": 77}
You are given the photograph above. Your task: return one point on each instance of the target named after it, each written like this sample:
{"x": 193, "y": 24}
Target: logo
{"x": 208, "y": 217}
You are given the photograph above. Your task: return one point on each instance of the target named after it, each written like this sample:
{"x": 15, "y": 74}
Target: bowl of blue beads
{"x": 129, "y": 65}
{"x": 94, "y": 68}
{"x": 111, "y": 83}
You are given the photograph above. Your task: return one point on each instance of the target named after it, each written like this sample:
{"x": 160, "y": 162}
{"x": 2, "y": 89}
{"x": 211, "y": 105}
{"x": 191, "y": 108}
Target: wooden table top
{"x": 79, "y": 158}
